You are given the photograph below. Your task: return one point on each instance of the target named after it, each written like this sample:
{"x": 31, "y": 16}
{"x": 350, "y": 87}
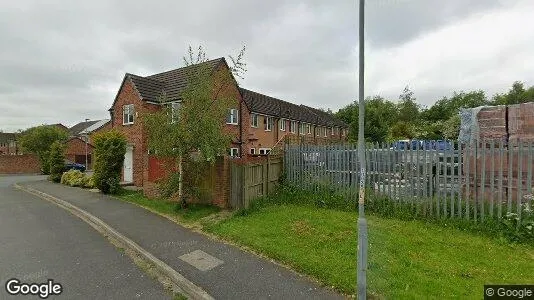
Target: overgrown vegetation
{"x": 56, "y": 161}
{"x": 38, "y": 140}
{"x": 189, "y": 132}
{"x": 387, "y": 120}
{"x": 77, "y": 178}
{"x": 408, "y": 258}
{"x": 109, "y": 151}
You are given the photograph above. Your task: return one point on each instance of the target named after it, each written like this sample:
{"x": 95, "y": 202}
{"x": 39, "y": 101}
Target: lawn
{"x": 407, "y": 259}
{"x": 191, "y": 214}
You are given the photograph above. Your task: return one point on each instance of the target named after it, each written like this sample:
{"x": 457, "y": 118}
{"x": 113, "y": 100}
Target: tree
{"x": 517, "y": 94}
{"x": 402, "y": 130}
{"x": 380, "y": 114}
{"x": 109, "y": 151}
{"x": 38, "y": 140}
{"x": 57, "y": 160}
{"x": 408, "y": 107}
{"x": 192, "y": 130}
{"x": 452, "y": 127}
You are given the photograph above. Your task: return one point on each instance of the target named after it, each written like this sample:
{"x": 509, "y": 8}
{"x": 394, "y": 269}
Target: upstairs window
{"x": 175, "y": 111}
{"x": 128, "y": 114}
{"x": 293, "y": 126}
{"x": 308, "y": 126}
{"x": 325, "y": 130}
{"x": 302, "y": 128}
{"x": 282, "y": 124}
{"x": 254, "y": 120}
{"x": 268, "y": 123}
{"x": 332, "y": 131}
{"x": 233, "y": 117}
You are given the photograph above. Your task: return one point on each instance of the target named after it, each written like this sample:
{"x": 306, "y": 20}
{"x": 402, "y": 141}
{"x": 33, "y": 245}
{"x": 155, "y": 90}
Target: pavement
{"x": 223, "y": 271}
{"x": 40, "y": 241}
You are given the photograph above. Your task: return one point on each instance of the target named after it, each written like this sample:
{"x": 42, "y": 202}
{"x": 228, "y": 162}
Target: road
{"x": 40, "y": 241}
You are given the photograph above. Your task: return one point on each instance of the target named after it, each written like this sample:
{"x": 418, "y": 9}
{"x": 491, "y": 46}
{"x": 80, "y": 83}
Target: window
{"x": 302, "y": 127}
{"x": 318, "y": 130}
{"x": 265, "y": 151}
{"x": 283, "y": 124}
{"x": 293, "y": 126}
{"x": 233, "y": 117}
{"x": 234, "y": 152}
{"x": 128, "y": 114}
{"x": 268, "y": 123}
{"x": 253, "y": 151}
{"x": 325, "y": 131}
{"x": 332, "y": 133}
{"x": 308, "y": 126}
{"x": 175, "y": 111}
{"x": 254, "y": 120}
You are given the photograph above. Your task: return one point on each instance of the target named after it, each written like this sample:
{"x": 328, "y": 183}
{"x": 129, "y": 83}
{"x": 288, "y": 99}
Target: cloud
{"x": 485, "y": 51}
{"x": 63, "y": 61}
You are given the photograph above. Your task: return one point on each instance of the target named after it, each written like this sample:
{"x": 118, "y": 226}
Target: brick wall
{"x": 134, "y": 133}
{"x": 19, "y": 164}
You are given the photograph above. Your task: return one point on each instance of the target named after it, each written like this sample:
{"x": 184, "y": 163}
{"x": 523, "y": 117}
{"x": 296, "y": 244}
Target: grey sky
{"x": 63, "y": 61}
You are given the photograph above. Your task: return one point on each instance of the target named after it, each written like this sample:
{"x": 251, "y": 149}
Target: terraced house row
{"x": 257, "y": 123}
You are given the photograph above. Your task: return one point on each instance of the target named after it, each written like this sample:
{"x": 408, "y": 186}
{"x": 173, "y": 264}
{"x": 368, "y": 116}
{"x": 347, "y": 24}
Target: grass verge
{"x": 407, "y": 258}
{"x": 191, "y": 214}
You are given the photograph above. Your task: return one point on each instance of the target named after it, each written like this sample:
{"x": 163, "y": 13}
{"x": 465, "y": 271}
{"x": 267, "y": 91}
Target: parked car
{"x": 73, "y": 166}
{"x": 401, "y": 145}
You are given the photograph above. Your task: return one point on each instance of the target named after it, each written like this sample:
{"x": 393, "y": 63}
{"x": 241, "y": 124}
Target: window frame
{"x": 325, "y": 131}
{"x": 253, "y": 151}
{"x": 232, "y": 152}
{"x": 266, "y": 151}
{"x": 230, "y": 119}
{"x": 282, "y": 124}
{"x": 268, "y": 123}
{"x": 175, "y": 113}
{"x": 128, "y": 110}
{"x": 254, "y": 117}
{"x": 293, "y": 126}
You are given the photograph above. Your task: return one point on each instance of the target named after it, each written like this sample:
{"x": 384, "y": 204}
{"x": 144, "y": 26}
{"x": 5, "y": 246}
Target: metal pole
{"x": 362, "y": 222}
{"x": 86, "y": 141}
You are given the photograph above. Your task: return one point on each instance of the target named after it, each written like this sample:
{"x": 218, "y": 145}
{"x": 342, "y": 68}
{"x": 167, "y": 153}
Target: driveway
{"x": 40, "y": 241}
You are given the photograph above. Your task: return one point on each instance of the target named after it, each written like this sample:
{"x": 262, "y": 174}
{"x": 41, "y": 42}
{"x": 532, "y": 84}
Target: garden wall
{"x": 19, "y": 164}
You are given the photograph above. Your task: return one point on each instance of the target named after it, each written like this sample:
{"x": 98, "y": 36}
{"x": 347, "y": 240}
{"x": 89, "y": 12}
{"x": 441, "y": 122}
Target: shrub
{"x": 89, "y": 182}
{"x": 109, "y": 151}
{"x": 56, "y": 160}
{"x": 73, "y": 178}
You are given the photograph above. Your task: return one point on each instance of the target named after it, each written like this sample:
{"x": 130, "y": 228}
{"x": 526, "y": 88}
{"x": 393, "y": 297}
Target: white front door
{"x": 128, "y": 165}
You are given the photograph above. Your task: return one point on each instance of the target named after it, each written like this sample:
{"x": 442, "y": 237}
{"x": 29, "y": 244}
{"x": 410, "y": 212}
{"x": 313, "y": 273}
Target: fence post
{"x": 519, "y": 193}
{"x": 510, "y": 175}
{"x": 492, "y": 178}
{"x": 483, "y": 180}
{"x": 501, "y": 178}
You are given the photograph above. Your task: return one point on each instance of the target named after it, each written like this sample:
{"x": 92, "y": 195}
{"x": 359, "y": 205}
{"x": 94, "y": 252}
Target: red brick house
{"x": 8, "y": 144}
{"x": 257, "y": 122}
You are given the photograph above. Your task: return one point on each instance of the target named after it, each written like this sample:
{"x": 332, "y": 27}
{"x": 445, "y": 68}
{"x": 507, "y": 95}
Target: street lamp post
{"x": 86, "y": 141}
{"x": 362, "y": 222}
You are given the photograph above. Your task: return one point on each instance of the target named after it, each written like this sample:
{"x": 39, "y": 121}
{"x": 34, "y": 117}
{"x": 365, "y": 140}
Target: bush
{"x": 73, "y": 178}
{"x": 77, "y": 178}
{"x": 56, "y": 161}
{"x": 109, "y": 151}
